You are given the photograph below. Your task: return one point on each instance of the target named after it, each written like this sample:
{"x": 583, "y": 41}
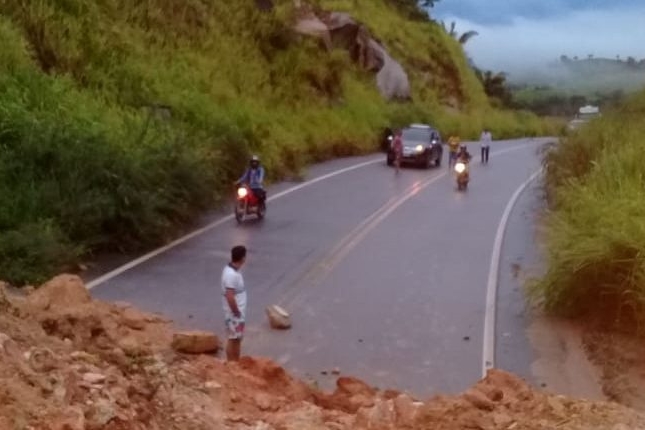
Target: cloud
{"x": 506, "y": 11}
{"x": 525, "y": 41}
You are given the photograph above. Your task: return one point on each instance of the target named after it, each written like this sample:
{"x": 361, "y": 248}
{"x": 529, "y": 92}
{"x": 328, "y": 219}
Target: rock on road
{"x": 385, "y": 276}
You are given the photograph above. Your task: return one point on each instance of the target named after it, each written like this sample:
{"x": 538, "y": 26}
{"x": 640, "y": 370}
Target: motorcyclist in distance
{"x": 254, "y": 177}
{"x": 463, "y": 155}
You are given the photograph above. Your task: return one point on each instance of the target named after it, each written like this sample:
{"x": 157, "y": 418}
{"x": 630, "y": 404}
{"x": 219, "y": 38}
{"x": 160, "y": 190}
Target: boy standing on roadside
{"x": 234, "y": 302}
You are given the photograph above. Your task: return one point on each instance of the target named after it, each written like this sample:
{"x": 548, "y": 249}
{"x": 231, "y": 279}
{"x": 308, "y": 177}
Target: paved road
{"x": 385, "y": 275}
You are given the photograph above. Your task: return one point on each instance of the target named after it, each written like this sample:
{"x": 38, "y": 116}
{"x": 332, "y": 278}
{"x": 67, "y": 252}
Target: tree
{"x": 453, "y": 33}
{"x": 467, "y": 36}
{"x": 495, "y": 85}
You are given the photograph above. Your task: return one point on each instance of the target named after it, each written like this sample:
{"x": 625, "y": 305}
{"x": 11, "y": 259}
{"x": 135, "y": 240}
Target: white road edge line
{"x": 119, "y": 270}
{"x": 488, "y": 356}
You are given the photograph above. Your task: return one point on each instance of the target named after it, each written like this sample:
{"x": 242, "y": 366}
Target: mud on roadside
{"x": 620, "y": 360}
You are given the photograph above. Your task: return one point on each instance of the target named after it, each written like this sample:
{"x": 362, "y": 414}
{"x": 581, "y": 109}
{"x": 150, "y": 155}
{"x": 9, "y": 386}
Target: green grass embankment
{"x": 595, "y": 231}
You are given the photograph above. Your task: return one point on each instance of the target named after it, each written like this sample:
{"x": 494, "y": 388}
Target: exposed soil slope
{"x": 68, "y": 362}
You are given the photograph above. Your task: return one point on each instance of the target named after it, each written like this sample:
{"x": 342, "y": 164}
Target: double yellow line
{"x": 334, "y": 256}
{"x": 324, "y": 266}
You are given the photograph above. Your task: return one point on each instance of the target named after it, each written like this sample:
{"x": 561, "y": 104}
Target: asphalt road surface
{"x": 385, "y": 275}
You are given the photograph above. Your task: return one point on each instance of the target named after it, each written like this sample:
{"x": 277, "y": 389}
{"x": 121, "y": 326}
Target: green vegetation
{"x": 595, "y": 233}
{"x": 561, "y": 88}
{"x": 121, "y": 120}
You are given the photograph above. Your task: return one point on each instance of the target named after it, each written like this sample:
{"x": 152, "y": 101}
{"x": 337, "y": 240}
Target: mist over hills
{"x": 587, "y": 75}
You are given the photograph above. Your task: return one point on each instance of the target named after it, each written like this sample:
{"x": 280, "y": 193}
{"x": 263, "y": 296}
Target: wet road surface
{"x": 385, "y": 275}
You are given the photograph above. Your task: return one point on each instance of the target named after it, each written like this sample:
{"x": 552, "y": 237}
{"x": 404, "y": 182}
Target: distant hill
{"x": 585, "y": 76}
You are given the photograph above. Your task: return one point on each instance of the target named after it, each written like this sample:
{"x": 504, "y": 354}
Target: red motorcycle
{"x": 247, "y": 203}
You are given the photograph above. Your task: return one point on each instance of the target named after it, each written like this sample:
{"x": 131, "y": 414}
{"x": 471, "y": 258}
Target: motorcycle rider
{"x": 254, "y": 177}
{"x": 463, "y": 155}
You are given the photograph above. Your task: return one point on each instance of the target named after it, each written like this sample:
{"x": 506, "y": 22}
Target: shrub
{"x": 595, "y": 236}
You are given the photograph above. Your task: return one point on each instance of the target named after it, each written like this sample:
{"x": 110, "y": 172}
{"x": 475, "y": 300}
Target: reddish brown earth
{"x": 68, "y": 362}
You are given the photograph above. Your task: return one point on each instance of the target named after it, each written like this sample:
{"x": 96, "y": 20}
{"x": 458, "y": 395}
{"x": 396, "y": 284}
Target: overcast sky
{"x": 519, "y": 33}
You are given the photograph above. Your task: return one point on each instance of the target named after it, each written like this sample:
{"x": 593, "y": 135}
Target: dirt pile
{"x": 67, "y": 362}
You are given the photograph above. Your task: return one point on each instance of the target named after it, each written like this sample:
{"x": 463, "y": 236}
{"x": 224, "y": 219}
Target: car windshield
{"x": 415, "y": 135}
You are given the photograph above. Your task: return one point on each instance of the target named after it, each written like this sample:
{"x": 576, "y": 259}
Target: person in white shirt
{"x": 234, "y": 302}
{"x": 485, "y": 139}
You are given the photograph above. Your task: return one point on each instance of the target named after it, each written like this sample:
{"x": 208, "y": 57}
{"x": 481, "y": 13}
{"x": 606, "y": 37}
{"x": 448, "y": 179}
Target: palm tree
{"x": 467, "y": 36}
{"x": 495, "y": 85}
{"x": 453, "y": 33}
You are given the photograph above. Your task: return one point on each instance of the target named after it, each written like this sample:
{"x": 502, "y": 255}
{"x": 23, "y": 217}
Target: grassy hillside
{"x": 120, "y": 120}
{"x": 595, "y": 231}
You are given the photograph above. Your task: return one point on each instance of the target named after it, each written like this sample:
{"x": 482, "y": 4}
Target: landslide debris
{"x": 69, "y": 362}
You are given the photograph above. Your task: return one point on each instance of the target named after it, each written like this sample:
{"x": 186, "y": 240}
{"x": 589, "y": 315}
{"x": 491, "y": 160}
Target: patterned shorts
{"x": 234, "y": 327}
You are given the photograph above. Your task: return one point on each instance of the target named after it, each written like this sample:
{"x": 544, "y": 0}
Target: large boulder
{"x": 278, "y": 317}
{"x": 342, "y": 31}
{"x": 62, "y": 292}
{"x": 195, "y": 342}
{"x": 391, "y": 79}
{"x": 310, "y": 25}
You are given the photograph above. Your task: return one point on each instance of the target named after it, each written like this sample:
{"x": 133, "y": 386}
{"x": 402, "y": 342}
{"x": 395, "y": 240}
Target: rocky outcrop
{"x": 336, "y": 29}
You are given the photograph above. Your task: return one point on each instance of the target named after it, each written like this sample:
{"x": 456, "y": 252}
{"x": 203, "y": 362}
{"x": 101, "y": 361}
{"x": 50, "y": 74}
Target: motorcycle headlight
{"x": 460, "y": 167}
{"x": 242, "y": 192}
{"x": 419, "y": 148}
{"x": 434, "y": 142}
{"x": 390, "y": 138}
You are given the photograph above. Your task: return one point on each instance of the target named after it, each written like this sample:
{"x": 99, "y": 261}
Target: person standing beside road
{"x": 453, "y": 148}
{"x": 397, "y": 148}
{"x": 485, "y": 139}
{"x": 234, "y": 302}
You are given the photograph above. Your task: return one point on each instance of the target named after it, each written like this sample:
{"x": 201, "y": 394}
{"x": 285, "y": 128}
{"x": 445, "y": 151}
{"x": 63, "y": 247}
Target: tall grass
{"x": 89, "y": 164}
{"x": 596, "y": 231}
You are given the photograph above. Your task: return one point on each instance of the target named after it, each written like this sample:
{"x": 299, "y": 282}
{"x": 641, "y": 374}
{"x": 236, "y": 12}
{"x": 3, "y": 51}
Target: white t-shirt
{"x": 486, "y": 138}
{"x": 232, "y": 279}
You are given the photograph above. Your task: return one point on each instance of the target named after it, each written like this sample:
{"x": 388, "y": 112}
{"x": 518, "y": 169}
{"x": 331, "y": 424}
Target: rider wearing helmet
{"x": 254, "y": 177}
{"x": 463, "y": 155}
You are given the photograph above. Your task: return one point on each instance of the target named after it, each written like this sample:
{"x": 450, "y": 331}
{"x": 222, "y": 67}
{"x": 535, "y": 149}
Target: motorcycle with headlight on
{"x": 247, "y": 204}
{"x": 462, "y": 174}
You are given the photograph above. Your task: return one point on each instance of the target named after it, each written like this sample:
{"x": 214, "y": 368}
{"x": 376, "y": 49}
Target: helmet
{"x": 255, "y": 161}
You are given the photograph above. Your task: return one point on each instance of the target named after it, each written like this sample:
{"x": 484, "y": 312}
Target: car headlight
{"x": 242, "y": 192}
{"x": 460, "y": 167}
{"x": 419, "y": 148}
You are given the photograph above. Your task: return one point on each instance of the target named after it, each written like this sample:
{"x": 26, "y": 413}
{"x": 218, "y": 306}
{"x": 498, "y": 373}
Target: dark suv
{"x": 421, "y": 146}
